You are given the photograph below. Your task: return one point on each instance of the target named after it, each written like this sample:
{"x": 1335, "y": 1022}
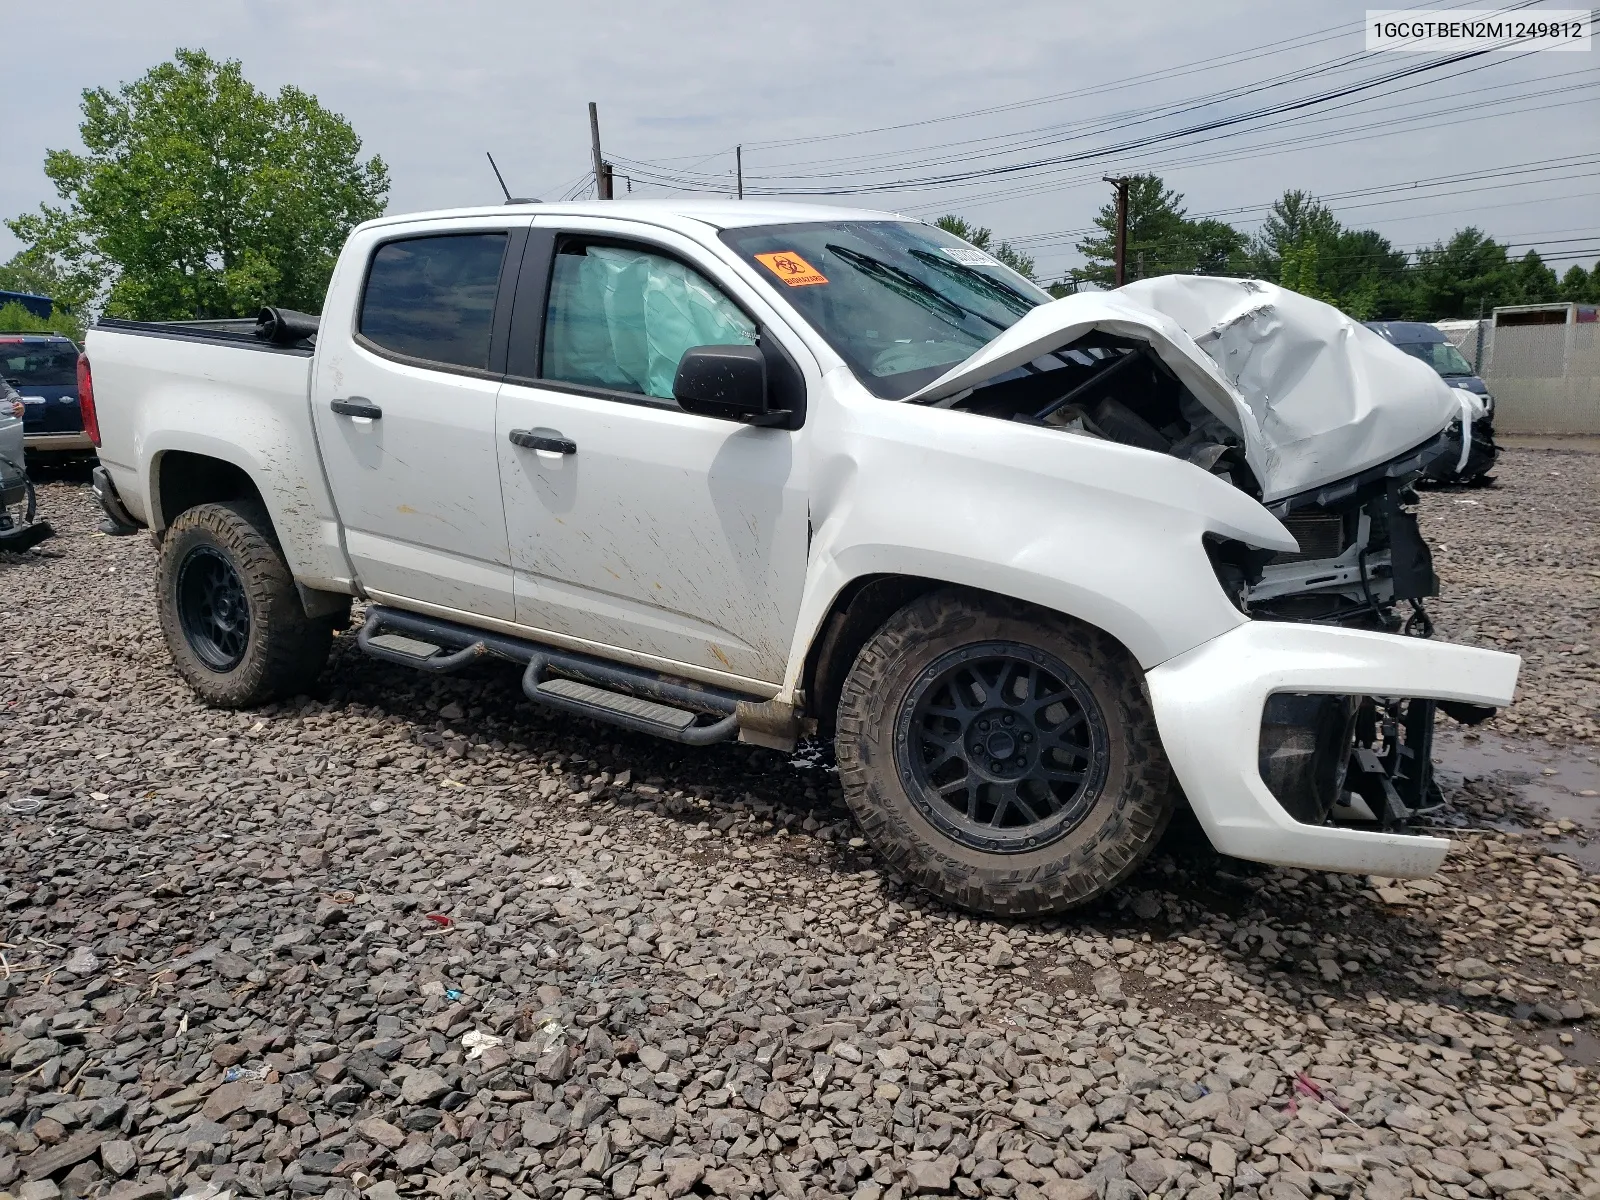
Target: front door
{"x": 636, "y": 526}
{"x": 404, "y": 406}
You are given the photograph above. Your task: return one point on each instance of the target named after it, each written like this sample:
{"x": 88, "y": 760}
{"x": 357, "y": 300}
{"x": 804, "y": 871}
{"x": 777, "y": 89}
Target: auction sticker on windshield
{"x": 968, "y": 257}
{"x": 791, "y": 268}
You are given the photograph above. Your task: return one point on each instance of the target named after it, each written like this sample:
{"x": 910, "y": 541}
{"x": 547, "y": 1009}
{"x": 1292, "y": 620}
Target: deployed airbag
{"x": 622, "y": 318}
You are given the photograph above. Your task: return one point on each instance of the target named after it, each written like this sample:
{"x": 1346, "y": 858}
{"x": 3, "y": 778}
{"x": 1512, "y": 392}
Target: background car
{"x": 1477, "y": 448}
{"x": 18, "y": 530}
{"x": 43, "y": 367}
{"x": 13, "y": 479}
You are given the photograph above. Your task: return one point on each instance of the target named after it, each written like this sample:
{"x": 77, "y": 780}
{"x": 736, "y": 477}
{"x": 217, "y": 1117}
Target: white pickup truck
{"x": 1043, "y": 570}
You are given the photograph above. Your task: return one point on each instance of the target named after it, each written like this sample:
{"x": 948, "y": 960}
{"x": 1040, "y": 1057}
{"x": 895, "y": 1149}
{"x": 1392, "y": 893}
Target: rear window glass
{"x": 433, "y": 297}
{"x": 42, "y": 364}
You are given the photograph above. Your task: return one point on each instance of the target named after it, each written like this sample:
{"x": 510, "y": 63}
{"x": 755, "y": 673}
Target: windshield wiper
{"x": 1016, "y": 301}
{"x": 908, "y": 285}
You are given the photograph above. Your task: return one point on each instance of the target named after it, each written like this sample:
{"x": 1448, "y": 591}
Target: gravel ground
{"x": 413, "y": 937}
{"x": 1519, "y": 568}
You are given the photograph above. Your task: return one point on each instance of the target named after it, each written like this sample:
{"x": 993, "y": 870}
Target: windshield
{"x": 42, "y": 364}
{"x": 900, "y": 302}
{"x": 1441, "y": 356}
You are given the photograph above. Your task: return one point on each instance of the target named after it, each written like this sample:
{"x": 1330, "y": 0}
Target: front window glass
{"x": 1441, "y": 356}
{"x": 40, "y": 364}
{"x": 433, "y": 297}
{"x": 621, "y": 318}
{"x": 899, "y": 301}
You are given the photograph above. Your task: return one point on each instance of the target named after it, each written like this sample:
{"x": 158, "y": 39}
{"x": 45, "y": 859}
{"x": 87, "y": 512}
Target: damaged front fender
{"x": 1109, "y": 534}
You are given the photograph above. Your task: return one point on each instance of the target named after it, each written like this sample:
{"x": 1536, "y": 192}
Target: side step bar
{"x": 631, "y": 697}
{"x": 584, "y": 693}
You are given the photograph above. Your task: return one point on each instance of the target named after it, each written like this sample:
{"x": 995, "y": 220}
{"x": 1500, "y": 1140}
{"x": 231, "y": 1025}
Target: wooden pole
{"x": 602, "y": 182}
{"x": 1121, "y": 184}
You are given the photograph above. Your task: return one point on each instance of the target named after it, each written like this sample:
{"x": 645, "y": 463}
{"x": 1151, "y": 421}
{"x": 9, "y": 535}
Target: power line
{"x": 1043, "y": 136}
{"x": 1539, "y": 165}
{"x": 1231, "y": 58}
{"x": 1357, "y": 132}
{"x": 1012, "y": 142}
{"x": 1281, "y": 108}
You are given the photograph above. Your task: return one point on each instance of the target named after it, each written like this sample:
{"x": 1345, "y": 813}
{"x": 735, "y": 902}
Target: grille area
{"x": 1321, "y": 535}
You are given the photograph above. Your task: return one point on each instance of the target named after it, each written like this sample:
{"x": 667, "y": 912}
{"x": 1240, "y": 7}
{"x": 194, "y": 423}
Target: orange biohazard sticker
{"x": 791, "y": 268}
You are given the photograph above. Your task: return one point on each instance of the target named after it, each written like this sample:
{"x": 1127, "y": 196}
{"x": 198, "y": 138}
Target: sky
{"x": 1508, "y": 143}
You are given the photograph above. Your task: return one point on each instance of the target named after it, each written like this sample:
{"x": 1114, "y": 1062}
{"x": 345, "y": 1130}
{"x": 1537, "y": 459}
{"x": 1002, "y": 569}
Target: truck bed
{"x": 226, "y": 331}
{"x": 211, "y": 388}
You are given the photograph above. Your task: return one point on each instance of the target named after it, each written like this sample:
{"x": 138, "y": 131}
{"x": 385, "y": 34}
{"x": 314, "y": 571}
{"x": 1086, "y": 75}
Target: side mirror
{"x": 722, "y": 381}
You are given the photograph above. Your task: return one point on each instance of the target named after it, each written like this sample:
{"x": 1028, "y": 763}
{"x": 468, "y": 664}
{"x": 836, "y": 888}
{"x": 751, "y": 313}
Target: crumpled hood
{"x": 1314, "y": 396}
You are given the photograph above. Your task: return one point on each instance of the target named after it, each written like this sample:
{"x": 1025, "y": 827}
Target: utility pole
{"x": 738, "y": 167}
{"x": 602, "y": 171}
{"x": 1121, "y": 184}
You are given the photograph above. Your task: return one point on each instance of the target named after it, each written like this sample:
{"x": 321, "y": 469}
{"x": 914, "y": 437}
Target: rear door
{"x": 675, "y": 538}
{"x": 404, "y": 406}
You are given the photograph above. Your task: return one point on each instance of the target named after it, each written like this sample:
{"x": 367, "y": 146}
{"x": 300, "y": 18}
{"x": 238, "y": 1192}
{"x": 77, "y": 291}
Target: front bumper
{"x": 50, "y": 442}
{"x": 1208, "y": 705}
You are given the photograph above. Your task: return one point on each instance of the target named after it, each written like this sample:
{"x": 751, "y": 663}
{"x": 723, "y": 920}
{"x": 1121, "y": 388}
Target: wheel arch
{"x": 184, "y": 479}
{"x": 860, "y": 608}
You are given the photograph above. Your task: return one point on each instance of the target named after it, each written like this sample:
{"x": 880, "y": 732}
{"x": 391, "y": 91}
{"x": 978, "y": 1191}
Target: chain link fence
{"x": 1544, "y": 378}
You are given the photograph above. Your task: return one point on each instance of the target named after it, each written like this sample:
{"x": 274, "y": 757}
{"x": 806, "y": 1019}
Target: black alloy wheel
{"x": 213, "y": 608}
{"x": 1002, "y": 747}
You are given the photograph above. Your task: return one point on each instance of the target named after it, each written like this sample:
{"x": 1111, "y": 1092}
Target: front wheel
{"x": 230, "y": 612}
{"x": 1003, "y": 757}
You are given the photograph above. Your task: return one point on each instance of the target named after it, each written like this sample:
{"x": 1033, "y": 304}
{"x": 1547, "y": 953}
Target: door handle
{"x": 551, "y": 440}
{"x": 357, "y": 406}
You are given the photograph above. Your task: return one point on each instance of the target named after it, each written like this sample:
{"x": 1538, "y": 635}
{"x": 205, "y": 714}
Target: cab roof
{"x": 718, "y": 213}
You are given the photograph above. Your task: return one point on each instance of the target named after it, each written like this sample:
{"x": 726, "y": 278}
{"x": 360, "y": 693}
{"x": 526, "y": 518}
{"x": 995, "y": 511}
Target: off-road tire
{"x": 285, "y": 651}
{"x": 1135, "y": 800}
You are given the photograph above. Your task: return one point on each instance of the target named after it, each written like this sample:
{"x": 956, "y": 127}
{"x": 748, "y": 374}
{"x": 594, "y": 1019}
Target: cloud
{"x": 431, "y": 87}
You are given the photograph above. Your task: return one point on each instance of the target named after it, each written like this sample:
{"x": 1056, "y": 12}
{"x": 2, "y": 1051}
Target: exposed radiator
{"x": 1321, "y": 535}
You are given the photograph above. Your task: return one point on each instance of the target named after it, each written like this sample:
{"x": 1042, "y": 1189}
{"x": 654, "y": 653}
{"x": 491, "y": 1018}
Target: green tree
{"x": 16, "y": 319}
{"x": 1364, "y": 273}
{"x": 1450, "y": 279}
{"x": 1300, "y": 270}
{"x": 981, "y": 237}
{"x": 1295, "y": 219}
{"x": 1532, "y": 282}
{"x": 1575, "y": 285}
{"x": 201, "y": 196}
{"x": 1212, "y": 247}
{"x": 1303, "y": 246}
{"x": 33, "y": 271}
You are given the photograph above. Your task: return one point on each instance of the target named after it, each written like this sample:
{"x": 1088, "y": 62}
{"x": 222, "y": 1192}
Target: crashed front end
{"x": 1215, "y": 707}
{"x": 1304, "y": 737}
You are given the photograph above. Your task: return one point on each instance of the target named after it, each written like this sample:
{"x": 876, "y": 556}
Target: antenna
{"x": 509, "y": 198}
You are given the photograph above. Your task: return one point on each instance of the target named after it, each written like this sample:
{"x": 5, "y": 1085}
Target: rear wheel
{"x": 230, "y": 612}
{"x": 1003, "y": 757}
